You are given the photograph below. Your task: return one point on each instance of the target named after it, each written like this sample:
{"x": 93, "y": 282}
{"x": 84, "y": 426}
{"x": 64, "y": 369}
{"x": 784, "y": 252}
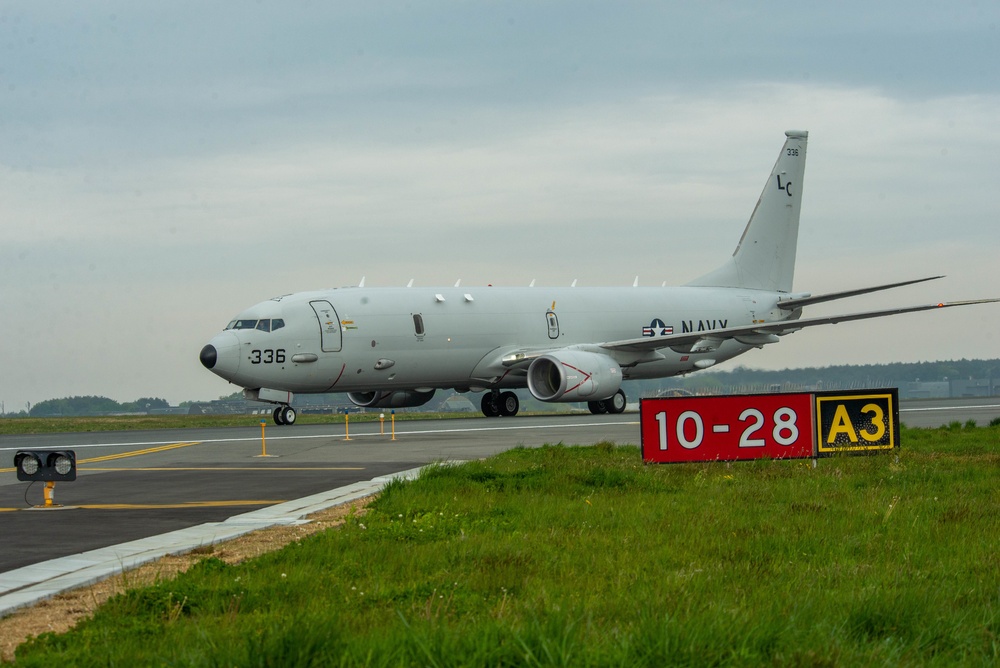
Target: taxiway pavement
{"x": 133, "y": 485}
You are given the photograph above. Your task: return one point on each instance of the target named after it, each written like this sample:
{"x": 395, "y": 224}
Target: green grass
{"x": 585, "y": 556}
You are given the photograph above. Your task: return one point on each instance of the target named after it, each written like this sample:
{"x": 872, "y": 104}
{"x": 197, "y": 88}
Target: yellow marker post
{"x": 393, "y": 421}
{"x": 263, "y": 443}
{"x": 49, "y": 493}
{"x": 347, "y": 426}
{"x": 381, "y": 424}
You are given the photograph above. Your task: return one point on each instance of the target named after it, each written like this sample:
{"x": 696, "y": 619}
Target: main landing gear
{"x": 500, "y": 404}
{"x": 614, "y": 404}
{"x": 505, "y": 404}
{"x": 284, "y": 415}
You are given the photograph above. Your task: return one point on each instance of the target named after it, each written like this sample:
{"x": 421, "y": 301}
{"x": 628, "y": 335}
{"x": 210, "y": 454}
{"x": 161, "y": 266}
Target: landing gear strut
{"x": 284, "y": 415}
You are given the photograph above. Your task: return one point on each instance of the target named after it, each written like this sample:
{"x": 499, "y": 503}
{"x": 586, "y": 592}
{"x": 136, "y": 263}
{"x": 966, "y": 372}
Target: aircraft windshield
{"x": 264, "y": 325}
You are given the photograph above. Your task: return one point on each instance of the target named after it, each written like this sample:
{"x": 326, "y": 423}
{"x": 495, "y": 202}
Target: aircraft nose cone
{"x": 209, "y": 356}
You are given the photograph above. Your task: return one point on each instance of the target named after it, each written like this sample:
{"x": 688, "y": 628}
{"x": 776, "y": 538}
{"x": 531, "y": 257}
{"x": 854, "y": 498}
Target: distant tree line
{"x": 844, "y": 375}
{"x": 77, "y": 406}
{"x": 898, "y": 372}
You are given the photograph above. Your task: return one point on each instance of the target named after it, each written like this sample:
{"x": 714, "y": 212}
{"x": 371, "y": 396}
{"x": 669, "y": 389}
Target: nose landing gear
{"x": 284, "y": 415}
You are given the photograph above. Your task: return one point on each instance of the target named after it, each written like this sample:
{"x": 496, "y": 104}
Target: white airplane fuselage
{"x": 456, "y": 338}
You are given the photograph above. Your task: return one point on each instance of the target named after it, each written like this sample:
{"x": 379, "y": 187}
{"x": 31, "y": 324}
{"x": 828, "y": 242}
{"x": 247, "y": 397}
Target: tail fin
{"x": 765, "y": 256}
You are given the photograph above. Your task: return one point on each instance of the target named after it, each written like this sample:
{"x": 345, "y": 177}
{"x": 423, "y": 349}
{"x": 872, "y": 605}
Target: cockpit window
{"x": 263, "y": 325}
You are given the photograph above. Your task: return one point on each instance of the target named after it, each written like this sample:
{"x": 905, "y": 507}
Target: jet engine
{"x": 574, "y": 375}
{"x": 391, "y": 399}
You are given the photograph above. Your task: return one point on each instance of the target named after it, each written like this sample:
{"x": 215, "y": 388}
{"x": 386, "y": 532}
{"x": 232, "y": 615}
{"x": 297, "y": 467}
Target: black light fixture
{"x": 45, "y": 465}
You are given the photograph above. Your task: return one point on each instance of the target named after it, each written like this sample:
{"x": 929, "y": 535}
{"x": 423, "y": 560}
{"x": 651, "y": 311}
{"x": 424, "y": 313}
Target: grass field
{"x": 585, "y": 556}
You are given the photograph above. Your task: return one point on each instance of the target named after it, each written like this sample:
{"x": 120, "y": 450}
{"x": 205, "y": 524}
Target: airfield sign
{"x": 768, "y": 426}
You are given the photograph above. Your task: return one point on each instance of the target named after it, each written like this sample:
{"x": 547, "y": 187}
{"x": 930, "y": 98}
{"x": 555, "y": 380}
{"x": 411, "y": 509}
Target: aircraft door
{"x": 329, "y": 326}
{"x": 553, "y": 324}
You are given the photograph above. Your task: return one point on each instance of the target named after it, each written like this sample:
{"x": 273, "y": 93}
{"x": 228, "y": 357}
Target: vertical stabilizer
{"x": 765, "y": 257}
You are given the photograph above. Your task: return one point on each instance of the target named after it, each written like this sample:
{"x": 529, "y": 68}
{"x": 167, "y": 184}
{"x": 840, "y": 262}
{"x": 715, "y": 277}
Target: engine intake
{"x": 390, "y": 399}
{"x": 574, "y": 375}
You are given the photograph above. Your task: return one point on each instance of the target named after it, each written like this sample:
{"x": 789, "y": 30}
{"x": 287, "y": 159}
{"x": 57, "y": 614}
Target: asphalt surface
{"x": 940, "y": 412}
{"x": 133, "y": 485}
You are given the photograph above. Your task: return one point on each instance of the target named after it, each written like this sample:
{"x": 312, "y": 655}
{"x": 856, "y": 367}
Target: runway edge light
{"x": 45, "y": 465}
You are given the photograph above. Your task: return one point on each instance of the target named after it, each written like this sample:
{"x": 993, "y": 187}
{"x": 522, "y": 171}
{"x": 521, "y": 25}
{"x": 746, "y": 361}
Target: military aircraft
{"x": 393, "y": 347}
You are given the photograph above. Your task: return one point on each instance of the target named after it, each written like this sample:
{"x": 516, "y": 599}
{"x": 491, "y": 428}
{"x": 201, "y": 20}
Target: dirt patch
{"x": 61, "y": 613}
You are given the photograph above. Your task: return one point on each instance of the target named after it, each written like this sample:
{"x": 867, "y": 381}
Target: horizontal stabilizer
{"x": 799, "y": 302}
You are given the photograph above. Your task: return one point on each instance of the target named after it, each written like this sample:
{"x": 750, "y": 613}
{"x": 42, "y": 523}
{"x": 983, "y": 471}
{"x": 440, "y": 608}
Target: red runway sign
{"x": 692, "y": 429}
{"x": 775, "y": 426}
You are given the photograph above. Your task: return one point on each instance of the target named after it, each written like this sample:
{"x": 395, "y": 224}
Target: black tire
{"x": 489, "y": 406}
{"x": 509, "y": 404}
{"x": 288, "y": 415}
{"x": 616, "y": 404}
{"x": 277, "y": 416}
{"x": 597, "y": 407}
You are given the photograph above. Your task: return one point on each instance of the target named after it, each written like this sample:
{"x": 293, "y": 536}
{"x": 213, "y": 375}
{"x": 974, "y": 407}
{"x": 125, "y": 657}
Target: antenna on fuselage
{"x": 635, "y": 283}
{"x": 362, "y": 283}
{"x": 458, "y": 282}
{"x": 410, "y": 284}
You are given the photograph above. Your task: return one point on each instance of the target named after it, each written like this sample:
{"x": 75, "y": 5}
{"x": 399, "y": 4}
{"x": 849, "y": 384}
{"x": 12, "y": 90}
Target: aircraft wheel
{"x": 509, "y": 404}
{"x": 597, "y": 407}
{"x": 617, "y": 403}
{"x": 489, "y": 406}
{"x": 288, "y": 415}
{"x": 277, "y": 416}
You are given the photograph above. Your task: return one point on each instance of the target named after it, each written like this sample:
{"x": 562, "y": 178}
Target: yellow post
{"x": 347, "y": 426}
{"x": 393, "y": 421}
{"x": 263, "y": 443}
{"x": 49, "y": 493}
{"x": 381, "y": 424}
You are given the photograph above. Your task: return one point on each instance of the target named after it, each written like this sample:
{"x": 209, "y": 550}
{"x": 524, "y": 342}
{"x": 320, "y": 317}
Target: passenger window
{"x": 277, "y": 323}
{"x": 418, "y": 324}
{"x": 264, "y": 325}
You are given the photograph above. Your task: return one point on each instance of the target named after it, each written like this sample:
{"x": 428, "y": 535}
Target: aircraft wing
{"x": 762, "y": 333}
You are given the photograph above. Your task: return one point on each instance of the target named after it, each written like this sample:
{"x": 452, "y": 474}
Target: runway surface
{"x": 133, "y": 485}
{"x": 137, "y": 484}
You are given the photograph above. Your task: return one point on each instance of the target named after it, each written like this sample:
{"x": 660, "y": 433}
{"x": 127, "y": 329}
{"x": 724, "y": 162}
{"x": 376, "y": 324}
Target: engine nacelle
{"x": 574, "y": 375}
{"x": 391, "y": 399}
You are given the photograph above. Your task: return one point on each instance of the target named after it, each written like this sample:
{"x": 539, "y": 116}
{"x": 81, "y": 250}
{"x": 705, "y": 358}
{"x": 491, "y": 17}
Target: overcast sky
{"x": 165, "y": 165}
